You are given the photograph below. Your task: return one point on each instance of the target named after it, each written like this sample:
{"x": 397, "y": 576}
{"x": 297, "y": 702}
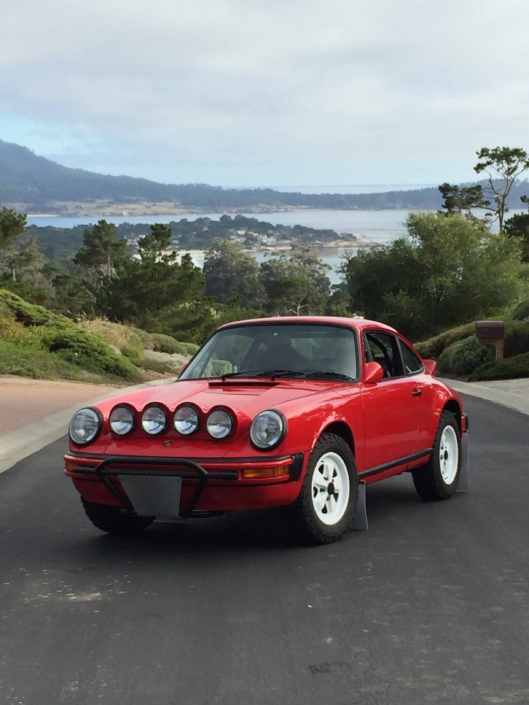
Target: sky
{"x": 266, "y": 92}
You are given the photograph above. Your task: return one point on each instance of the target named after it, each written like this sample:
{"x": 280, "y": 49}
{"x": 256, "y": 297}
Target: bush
{"x": 167, "y": 344}
{"x": 516, "y": 339}
{"x": 521, "y": 312}
{"x": 87, "y": 350}
{"x": 40, "y": 364}
{"x": 433, "y": 347}
{"x": 465, "y": 356}
{"x": 125, "y": 338}
{"x": 13, "y": 306}
{"x": 510, "y": 368}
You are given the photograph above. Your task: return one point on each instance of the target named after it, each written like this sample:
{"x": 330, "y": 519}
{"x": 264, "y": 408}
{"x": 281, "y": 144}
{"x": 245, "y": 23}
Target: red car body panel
{"x": 390, "y": 425}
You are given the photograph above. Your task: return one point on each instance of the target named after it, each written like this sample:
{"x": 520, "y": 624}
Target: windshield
{"x": 288, "y": 350}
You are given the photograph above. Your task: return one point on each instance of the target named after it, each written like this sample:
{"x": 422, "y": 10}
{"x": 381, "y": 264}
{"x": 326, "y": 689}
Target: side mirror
{"x": 430, "y": 366}
{"x": 373, "y": 373}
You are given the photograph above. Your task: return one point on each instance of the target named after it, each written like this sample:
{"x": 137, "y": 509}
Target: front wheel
{"x": 438, "y": 479}
{"x": 114, "y": 520}
{"x": 326, "y": 506}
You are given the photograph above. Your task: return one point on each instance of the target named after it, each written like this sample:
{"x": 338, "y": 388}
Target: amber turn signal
{"x": 265, "y": 473}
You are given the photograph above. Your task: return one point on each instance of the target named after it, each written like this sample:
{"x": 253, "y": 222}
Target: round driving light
{"x": 186, "y": 420}
{"x": 85, "y": 426}
{"x": 121, "y": 420}
{"x": 153, "y": 420}
{"x": 219, "y": 423}
{"x": 267, "y": 430}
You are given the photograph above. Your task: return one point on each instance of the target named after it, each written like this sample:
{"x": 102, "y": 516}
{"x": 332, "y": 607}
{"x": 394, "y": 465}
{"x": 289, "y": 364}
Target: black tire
{"x": 302, "y": 515}
{"x": 428, "y": 478}
{"x": 115, "y": 520}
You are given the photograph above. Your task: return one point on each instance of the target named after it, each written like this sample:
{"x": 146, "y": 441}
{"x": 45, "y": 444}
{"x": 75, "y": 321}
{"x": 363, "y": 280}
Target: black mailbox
{"x": 490, "y": 331}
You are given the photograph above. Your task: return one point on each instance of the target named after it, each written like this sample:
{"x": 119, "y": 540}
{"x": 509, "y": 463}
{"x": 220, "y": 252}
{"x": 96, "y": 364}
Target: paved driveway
{"x": 431, "y": 605}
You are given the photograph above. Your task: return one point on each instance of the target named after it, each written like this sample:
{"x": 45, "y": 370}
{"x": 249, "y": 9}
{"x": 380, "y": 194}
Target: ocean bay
{"x": 370, "y": 225}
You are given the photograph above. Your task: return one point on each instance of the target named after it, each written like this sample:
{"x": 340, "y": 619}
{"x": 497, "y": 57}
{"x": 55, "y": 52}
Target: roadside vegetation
{"x": 112, "y": 309}
{"x": 37, "y": 343}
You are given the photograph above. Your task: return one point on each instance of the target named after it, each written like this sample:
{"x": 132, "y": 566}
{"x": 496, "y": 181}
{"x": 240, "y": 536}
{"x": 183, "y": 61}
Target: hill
{"x": 36, "y": 182}
{"x": 32, "y": 183}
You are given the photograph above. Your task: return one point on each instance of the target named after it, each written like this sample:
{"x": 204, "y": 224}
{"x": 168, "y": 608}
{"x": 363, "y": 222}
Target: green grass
{"x": 41, "y": 364}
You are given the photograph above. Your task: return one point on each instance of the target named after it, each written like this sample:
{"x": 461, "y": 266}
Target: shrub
{"x": 433, "y": 347}
{"x": 521, "y": 312}
{"x": 18, "y": 334}
{"x": 24, "y": 312}
{"x": 39, "y": 364}
{"x": 516, "y": 339}
{"x": 158, "y": 366}
{"x": 510, "y": 368}
{"x": 123, "y": 337}
{"x": 167, "y": 344}
{"x": 87, "y": 350}
{"x": 465, "y": 356}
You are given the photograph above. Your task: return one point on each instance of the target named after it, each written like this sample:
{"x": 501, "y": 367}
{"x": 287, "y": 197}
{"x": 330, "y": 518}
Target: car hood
{"x": 247, "y": 397}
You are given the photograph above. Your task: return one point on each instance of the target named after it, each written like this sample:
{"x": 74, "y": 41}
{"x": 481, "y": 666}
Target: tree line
{"x": 451, "y": 267}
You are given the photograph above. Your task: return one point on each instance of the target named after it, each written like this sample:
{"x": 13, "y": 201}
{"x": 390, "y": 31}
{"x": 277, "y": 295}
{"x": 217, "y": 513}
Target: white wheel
{"x": 448, "y": 455}
{"x": 330, "y": 488}
{"x": 437, "y": 479}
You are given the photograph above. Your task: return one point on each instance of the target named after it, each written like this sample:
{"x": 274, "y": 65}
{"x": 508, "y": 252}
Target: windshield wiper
{"x": 273, "y": 374}
{"x": 260, "y": 373}
{"x": 335, "y": 375}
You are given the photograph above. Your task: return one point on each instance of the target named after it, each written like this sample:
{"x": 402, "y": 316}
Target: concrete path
{"x": 25, "y": 400}
{"x": 513, "y": 393}
{"x": 35, "y": 413}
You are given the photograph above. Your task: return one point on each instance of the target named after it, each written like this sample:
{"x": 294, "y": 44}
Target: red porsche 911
{"x": 298, "y": 412}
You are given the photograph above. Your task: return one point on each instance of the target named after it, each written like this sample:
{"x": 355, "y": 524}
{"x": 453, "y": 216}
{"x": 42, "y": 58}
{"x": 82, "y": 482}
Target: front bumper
{"x": 207, "y": 486}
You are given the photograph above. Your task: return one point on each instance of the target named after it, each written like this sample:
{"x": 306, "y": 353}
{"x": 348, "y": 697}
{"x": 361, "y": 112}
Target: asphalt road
{"x": 431, "y": 605}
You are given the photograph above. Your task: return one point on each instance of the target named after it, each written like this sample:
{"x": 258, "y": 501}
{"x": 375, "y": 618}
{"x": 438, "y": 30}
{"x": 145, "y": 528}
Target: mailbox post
{"x": 492, "y": 332}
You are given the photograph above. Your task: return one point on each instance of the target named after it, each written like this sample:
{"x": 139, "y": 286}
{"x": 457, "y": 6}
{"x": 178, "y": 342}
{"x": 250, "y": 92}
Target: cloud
{"x": 241, "y": 91}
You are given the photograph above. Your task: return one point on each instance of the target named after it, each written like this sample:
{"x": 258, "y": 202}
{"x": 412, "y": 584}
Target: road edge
{"x": 29, "y": 439}
{"x": 512, "y": 401}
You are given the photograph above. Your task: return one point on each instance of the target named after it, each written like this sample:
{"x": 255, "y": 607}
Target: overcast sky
{"x": 266, "y": 92}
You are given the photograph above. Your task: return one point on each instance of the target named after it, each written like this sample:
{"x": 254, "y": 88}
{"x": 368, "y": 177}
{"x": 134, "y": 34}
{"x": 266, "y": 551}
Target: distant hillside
{"x": 29, "y": 180}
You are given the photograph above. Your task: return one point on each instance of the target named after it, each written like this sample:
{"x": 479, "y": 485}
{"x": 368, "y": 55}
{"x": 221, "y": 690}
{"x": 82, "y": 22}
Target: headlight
{"x": 186, "y": 420}
{"x": 219, "y": 423}
{"x": 267, "y": 429}
{"x": 121, "y": 420}
{"x": 153, "y": 420}
{"x": 85, "y": 426}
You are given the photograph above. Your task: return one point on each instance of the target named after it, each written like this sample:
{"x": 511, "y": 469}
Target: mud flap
{"x": 360, "y": 520}
{"x": 464, "y": 473}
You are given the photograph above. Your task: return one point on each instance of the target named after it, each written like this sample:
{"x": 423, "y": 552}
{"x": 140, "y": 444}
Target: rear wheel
{"x": 326, "y": 506}
{"x": 439, "y": 477}
{"x": 115, "y": 520}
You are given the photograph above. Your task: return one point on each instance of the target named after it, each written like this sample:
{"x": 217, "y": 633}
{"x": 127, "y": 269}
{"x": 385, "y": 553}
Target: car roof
{"x": 357, "y": 323}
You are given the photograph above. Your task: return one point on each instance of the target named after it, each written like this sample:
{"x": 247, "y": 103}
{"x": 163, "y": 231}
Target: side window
{"x": 412, "y": 364}
{"x": 384, "y": 349}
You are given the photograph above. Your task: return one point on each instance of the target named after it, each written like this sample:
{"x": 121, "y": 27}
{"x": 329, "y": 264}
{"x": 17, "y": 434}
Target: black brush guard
{"x": 102, "y": 471}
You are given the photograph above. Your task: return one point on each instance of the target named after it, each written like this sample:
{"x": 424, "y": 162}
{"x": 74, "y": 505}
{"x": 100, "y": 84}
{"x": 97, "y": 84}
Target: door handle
{"x": 416, "y": 392}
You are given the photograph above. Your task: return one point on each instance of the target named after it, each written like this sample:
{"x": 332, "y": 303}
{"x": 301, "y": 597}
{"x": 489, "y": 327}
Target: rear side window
{"x": 384, "y": 349}
{"x": 412, "y": 364}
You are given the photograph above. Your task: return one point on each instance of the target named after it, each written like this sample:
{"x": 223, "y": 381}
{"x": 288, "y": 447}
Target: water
{"x": 371, "y": 226}
{"x": 375, "y": 226}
